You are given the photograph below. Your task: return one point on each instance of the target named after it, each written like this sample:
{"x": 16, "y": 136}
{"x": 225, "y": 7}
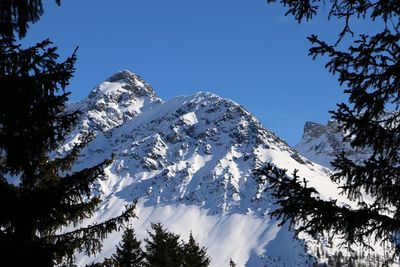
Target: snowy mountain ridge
{"x": 190, "y": 162}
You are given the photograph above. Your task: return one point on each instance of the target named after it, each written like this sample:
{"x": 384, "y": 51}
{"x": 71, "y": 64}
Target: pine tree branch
{"x": 88, "y": 239}
{"x": 301, "y": 206}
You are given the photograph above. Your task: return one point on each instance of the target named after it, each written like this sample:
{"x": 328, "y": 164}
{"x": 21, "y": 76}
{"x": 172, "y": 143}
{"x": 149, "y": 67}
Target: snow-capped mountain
{"x": 115, "y": 101}
{"x": 321, "y": 143}
{"x": 190, "y": 161}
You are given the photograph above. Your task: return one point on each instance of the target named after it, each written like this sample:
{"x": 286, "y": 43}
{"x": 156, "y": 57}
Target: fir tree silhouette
{"x": 193, "y": 255}
{"x": 40, "y": 193}
{"x": 129, "y": 252}
{"x": 369, "y": 69}
{"x": 162, "y": 248}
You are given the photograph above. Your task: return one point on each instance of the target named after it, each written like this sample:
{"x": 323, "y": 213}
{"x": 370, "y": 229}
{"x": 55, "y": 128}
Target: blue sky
{"x": 243, "y": 50}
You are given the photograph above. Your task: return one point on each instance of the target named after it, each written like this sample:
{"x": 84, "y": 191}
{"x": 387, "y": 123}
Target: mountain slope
{"x": 190, "y": 161}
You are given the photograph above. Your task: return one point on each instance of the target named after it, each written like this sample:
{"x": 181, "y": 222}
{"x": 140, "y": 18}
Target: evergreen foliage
{"x": 15, "y": 15}
{"x": 39, "y": 194}
{"x": 193, "y": 255}
{"x": 369, "y": 69}
{"x": 165, "y": 249}
{"x": 162, "y": 248}
{"x": 129, "y": 252}
{"x": 107, "y": 262}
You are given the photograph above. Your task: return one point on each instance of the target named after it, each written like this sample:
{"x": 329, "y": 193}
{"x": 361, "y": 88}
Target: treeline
{"x": 162, "y": 248}
{"x": 355, "y": 259}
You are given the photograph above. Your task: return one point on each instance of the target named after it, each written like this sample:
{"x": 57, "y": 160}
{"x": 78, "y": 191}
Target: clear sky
{"x": 243, "y": 50}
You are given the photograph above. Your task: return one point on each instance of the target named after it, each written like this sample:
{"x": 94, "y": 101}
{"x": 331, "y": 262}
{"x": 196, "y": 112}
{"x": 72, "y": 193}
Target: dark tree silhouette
{"x": 129, "y": 253}
{"x": 370, "y": 70}
{"x": 39, "y": 194}
{"x": 163, "y": 248}
{"x": 193, "y": 255}
{"x": 15, "y": 15}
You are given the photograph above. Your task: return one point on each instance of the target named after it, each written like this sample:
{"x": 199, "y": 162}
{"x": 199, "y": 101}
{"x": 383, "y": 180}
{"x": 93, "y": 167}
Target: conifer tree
{"x": 193, "y": 255}
{"x": 162, "y": 248}
{"x": 39, "y": 193}
{"x": 129, "y": 252}
{"x": 369, "y": 70}
{"x": 15, "y": 15}
{"x": 107, "y": 262}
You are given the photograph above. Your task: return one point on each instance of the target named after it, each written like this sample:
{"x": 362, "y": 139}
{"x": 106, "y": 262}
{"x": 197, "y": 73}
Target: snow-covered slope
{"x": 190, "y": 161}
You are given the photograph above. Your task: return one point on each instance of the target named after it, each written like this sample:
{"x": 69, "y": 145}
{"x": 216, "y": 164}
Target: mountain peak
{"x": 313, "y": 130}
{"x": 131, "y": 82}
{"x": 118, "y": 99}
{"x": 321, "y": 143}
{"x": 122, "y": 74}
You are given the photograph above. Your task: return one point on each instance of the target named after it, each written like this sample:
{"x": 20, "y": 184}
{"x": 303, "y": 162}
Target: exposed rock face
{"x": 322, "y": 143}
{"x": 118, "y": 99}
{"x": 133, "y": 84}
